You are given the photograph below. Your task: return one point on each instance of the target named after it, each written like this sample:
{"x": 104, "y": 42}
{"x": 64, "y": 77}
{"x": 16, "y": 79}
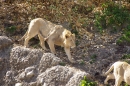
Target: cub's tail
{"x": 110, "y": 69}
{"x": 23, "y": 37}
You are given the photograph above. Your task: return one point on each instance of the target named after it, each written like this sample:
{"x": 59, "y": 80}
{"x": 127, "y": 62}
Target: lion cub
{"x": 121, "y": 73}
{"x": 52, "y": 33}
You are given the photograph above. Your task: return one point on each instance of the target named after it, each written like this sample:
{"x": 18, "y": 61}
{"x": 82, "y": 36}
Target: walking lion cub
{"x": 121, "y": 73}
{"x": 52, "y": 33}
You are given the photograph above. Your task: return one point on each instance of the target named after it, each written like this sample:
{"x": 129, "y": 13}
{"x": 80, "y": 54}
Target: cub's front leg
{"x": 51, "y": 46}
{"x": 42, "y": 41}
{"x": 67, "y": 50}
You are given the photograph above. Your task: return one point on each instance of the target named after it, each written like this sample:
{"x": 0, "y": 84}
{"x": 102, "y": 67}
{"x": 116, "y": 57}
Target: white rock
{"x": 28, "y": 69}
{"x": 30, "y": 74}
{"x": 61, "y": 76}
{"x": 22, "y": 75}
{"x": 18, "y": 84}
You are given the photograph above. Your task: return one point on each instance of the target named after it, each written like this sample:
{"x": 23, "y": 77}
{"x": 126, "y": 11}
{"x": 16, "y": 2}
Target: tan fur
{"x": 121, "y": 73}
{"x": 52, "y": 33}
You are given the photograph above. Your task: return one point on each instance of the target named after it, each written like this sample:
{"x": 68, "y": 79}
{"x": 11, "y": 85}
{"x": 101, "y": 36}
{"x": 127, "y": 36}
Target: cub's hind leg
{"x": 26, "y": 41}
{"x": 118, "y": 80}
{"x": 109, "y": 76}
{"x": 30, "y": 34}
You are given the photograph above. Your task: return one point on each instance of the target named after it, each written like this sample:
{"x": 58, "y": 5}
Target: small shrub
{"x": 126, "y": 56}
{"x": 112, "y": 16}
{"x": 86, "y": 82}
{"x": 62, "y": 64}
{"x": 93, "y": 58}
{"x": 119, "y": 42}
{"x": 125, "y": 38}
{"x": 77, "y": 43}
{"x": 11, "y": 29}
{"x": 75, "y": 32}
{"x": 126, "y": 84}
{"x": 82, "y": 62}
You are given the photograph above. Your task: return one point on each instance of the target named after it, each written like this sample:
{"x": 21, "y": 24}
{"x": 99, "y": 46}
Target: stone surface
{"x": 48, "y": 60}
{"x": 33, "y": 67}
{"x": 21, "y": 57}
{"x": 5, "y": 42}
{"x": 61, "y": 76}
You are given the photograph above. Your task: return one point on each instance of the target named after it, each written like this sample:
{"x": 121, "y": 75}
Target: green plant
{"x": 119, "y": 41}
{"x": 11, "y": 29}
{"x": 126, "y": 84}
{"x": 99, "y": 22}
{"x": 77, "y": 42}
{"x": 125, "y": 38}
{"x": 35, "y": 46}
{"x": 112, "y": 15}
{"x": 56, "y": 11}
{"x": 83, "y": 22}
{"x": 75, "y": 31}
{"x": 93, "y": 58}
{"x": 62, "y": 64}
{"x": 86, "y": 82}
{"x": 126, "y": 56}
{"x": 82, "y": 62}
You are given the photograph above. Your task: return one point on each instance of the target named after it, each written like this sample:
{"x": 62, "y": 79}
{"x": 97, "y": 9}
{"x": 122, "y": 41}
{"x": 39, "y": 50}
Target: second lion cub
{"x": 121, "y": 72}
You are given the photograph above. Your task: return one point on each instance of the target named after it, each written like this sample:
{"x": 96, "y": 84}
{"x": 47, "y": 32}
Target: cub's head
{"x": 69, "y": 39}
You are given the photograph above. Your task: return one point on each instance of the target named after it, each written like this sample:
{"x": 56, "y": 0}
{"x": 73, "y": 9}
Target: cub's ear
{"x": 66, "y": 36}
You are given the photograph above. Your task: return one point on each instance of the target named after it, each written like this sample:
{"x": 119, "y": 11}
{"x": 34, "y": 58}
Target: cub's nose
{"x": 73, "y": 46}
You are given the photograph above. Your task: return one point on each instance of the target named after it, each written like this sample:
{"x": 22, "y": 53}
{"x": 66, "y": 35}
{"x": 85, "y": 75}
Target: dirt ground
{"x": 94, "y": 52}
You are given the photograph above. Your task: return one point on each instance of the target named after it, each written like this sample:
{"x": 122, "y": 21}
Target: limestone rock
{"x": 19, "y": 84}
{"x": 61, "y": 76}
{"x": 30, "y": 74}
{"x": 22, "y": 76}
{"x": 21, "y": 57}
{"x": 48, "y": 60}
{"x": 5, "y": 42}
